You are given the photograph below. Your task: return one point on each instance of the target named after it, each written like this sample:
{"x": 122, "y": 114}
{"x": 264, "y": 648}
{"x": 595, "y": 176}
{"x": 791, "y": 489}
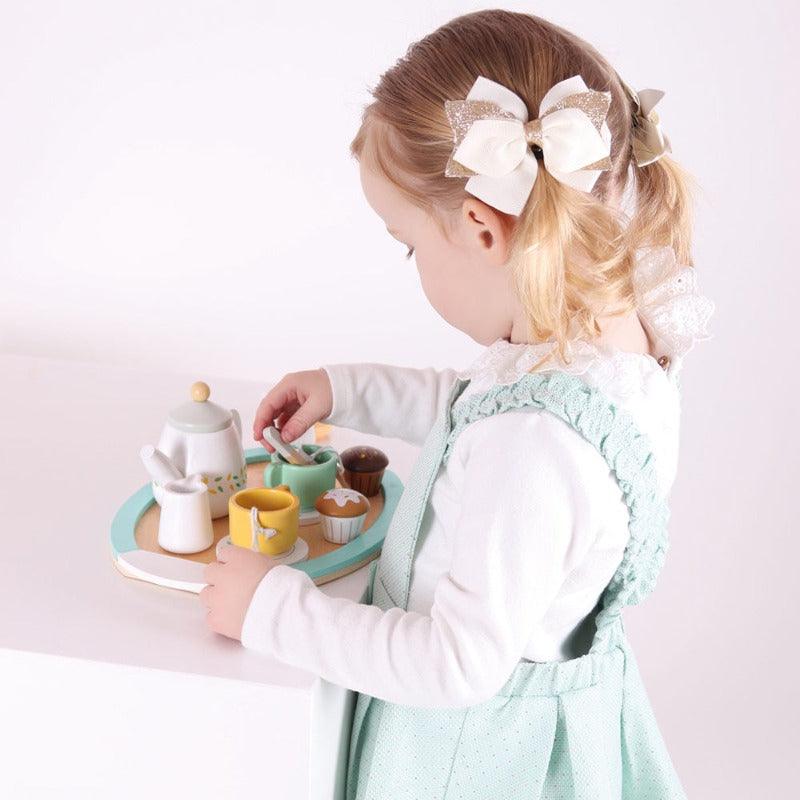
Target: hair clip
{"x": 649, "y": 141}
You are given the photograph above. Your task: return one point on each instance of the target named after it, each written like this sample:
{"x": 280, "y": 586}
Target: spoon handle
{"x": 292, "y": 454}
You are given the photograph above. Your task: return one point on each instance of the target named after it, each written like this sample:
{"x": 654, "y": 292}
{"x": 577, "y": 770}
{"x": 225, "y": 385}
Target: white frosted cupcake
{"x": 342, "y": 513}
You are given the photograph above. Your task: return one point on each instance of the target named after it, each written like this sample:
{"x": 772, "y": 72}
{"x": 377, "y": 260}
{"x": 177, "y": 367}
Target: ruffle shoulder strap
{"x": 628, "y": 452}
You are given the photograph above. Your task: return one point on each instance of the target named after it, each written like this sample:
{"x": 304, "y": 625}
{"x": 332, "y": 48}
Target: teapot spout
{"x": 158, "y": 465}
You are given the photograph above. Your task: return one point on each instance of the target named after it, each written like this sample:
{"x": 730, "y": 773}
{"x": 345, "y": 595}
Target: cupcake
{"x": 342, "y": 512}
{"x": 363, "y": 468}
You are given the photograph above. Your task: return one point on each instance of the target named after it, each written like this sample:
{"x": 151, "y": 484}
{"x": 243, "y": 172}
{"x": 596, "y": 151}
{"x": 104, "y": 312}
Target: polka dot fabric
{"x": 562, "y": 730}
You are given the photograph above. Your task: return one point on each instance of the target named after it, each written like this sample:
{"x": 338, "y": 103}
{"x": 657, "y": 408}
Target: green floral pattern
{"x": 232, "y": 482}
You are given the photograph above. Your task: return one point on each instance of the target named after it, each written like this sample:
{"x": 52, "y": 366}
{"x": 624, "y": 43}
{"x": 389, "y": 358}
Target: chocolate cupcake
{"x": 363, "y": 468}
{"x": 342, "y": 513}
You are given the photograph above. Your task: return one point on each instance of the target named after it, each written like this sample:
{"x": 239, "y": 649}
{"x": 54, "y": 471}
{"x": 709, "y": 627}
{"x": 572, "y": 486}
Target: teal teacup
{"x": 308, "y": 482}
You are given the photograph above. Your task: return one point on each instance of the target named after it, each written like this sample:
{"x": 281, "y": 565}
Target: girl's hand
{"x": 295, "y": 403}
{"x": 232, "y": 582}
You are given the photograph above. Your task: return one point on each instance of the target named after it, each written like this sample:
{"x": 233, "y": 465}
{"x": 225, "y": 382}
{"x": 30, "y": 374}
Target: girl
{"x": 489, "y": 653}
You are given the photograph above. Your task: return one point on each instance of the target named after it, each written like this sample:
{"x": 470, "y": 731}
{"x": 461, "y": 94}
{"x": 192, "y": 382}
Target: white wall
{"x": 176, "y": 189}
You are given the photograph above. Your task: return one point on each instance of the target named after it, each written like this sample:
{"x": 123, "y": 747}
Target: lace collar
{"x": 670, "y": 306}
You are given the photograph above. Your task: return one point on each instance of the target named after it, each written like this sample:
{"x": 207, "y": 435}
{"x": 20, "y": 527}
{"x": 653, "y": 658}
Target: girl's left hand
{"x": 232, "y": 581}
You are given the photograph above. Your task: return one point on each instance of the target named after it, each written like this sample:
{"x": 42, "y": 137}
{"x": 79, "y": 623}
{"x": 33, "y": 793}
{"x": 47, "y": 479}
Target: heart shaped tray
{"x": 134, "y": 537}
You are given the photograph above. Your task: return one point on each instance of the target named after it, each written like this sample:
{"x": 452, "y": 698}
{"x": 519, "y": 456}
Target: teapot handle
{"x": 237, "y": 421}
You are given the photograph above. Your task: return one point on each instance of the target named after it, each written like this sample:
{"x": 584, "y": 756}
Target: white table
{"x": 112, "y": 687}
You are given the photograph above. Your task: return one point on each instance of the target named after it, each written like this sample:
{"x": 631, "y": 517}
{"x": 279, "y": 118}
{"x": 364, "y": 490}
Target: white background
{"x": 176, "y": 191}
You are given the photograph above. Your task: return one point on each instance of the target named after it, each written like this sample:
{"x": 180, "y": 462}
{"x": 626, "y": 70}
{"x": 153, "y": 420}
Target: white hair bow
{"x": 491, "y": 132}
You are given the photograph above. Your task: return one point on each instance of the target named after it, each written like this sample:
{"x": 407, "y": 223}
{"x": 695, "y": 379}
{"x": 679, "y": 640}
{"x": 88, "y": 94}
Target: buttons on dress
{"x": 664, "y": 362}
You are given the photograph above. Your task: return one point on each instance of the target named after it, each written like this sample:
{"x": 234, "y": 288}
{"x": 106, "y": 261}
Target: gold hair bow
{"x": 649, "y": 141}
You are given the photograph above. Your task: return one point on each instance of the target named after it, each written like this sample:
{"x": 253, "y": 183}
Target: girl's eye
{"x": 410, "y": 252}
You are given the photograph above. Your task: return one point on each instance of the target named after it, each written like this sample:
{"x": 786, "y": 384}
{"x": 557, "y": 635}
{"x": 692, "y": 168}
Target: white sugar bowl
{"x": 203, "y": 437}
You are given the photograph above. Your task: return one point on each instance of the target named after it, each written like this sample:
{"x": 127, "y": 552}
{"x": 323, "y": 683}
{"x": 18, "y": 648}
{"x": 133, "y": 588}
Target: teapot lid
{"x": 200, "y": 415}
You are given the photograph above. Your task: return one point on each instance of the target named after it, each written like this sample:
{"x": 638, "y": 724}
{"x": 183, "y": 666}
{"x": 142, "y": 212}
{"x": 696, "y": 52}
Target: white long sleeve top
{"x": 524, "y": 527}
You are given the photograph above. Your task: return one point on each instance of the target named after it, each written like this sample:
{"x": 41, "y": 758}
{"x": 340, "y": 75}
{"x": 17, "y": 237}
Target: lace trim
{"x": 671, "y": 307}
{"x": 629, "y": 454}
{"x": 505, "y": 362}
{"x": 672, "y": 311}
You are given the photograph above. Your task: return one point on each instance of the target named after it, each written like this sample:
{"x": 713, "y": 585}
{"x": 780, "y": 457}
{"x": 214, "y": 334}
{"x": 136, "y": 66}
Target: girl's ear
{"x": 488, "y": 230}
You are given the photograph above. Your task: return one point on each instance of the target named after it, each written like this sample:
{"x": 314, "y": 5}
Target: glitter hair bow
{"x": 492, "y": 134}
{"x": 649, "y": 141}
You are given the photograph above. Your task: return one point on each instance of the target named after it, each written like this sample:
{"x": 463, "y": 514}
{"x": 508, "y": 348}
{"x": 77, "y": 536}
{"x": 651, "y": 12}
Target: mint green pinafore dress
{"x": 560, "y": 730}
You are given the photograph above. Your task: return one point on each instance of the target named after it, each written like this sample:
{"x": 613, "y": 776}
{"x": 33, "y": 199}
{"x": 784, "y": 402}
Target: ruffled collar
{"x": 670, "y": 306}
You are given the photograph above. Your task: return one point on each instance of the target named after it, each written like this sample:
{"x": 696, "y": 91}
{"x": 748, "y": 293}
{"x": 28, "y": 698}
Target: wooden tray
{"x": 134, "y": 534}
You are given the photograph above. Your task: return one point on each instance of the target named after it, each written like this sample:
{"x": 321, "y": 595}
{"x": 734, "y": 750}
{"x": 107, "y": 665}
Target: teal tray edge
{"x": 123, "y": 526}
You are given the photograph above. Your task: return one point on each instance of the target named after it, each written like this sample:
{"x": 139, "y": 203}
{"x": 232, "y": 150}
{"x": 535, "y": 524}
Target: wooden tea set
{"x": 314, "y": 508}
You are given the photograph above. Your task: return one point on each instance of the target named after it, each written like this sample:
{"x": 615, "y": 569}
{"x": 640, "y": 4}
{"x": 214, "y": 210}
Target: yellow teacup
{"x": 265, "y": 520}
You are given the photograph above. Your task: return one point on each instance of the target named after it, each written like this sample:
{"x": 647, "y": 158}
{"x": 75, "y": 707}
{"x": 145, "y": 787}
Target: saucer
{"x": 299, "y": 551}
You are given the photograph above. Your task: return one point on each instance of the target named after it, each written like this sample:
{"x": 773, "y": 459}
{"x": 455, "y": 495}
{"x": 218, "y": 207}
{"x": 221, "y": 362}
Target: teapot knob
{"x": 200, "y": 392}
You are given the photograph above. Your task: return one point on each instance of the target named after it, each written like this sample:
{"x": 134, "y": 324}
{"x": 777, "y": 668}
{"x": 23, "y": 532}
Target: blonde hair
{"x": 572, "y": 252}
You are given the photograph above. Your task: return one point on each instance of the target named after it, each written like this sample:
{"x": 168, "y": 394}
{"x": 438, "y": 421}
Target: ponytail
{"x": 571, "y": 263}
{"x": 664, "y": 208}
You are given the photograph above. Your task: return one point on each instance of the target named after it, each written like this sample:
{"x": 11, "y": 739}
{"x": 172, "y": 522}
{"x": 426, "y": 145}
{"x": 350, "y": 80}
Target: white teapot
{"x": 201, "y": 437}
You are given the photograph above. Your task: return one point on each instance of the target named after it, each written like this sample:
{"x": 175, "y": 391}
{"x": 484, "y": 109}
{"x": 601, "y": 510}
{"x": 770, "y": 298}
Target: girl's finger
{"x": 205, "y": 595}
{"x": 225, "y": 552}
{"x": 283, "y": 416}
{"x": 279, "y": 420}
{"x": 287, "y": 412}
{"x": 298, "y": 423}
{"x": 273, "y": 402}
{"x": 210, "y": 573}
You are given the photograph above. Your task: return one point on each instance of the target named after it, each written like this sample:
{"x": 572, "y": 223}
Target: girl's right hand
{"x": 293, "y": 405}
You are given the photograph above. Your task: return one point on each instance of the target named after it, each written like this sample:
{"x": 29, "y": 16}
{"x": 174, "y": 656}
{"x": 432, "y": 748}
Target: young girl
{"x": 489, "y": 655}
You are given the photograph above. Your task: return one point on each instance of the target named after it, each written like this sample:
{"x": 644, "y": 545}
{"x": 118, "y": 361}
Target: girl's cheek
{"x": 438, "y": 287}
{"x": 428, "y": 287}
